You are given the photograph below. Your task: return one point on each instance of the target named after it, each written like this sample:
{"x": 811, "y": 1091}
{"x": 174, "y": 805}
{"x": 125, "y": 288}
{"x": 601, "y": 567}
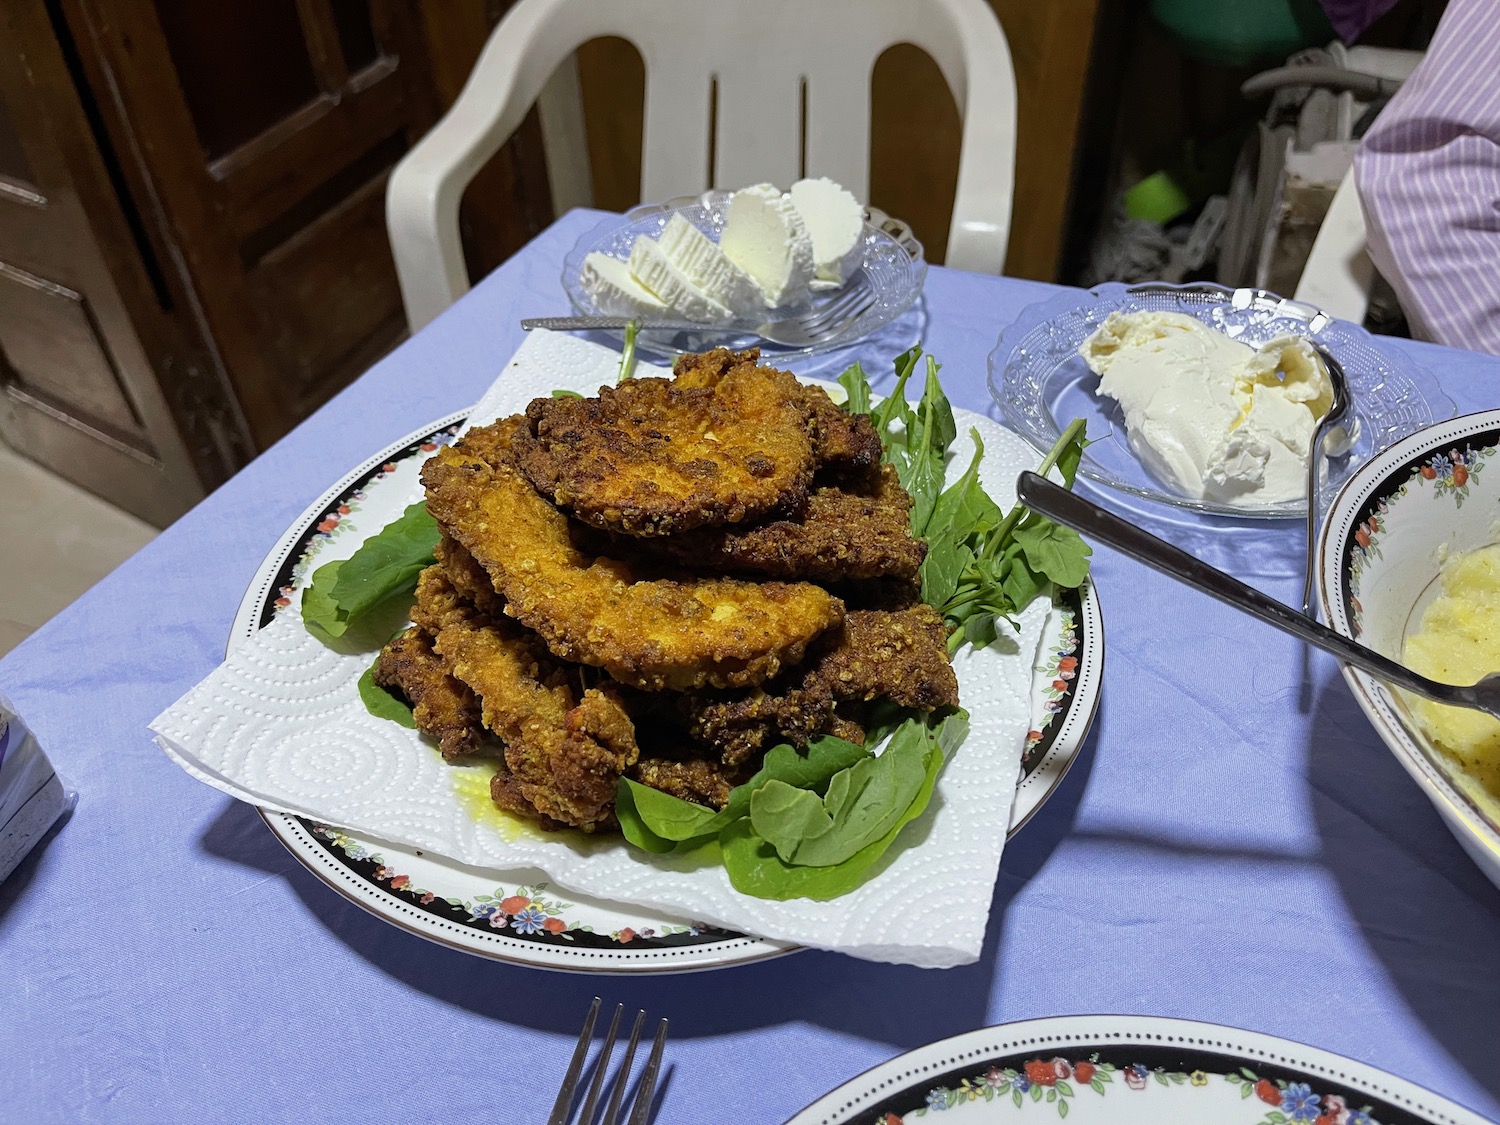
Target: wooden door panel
{"x": 53, "y": 349}
{"x": 326, "y": 312}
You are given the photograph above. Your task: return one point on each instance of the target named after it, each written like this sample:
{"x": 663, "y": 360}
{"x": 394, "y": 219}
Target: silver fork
{"x": 645, "y": 1089}
{"x": 813, "y": 327}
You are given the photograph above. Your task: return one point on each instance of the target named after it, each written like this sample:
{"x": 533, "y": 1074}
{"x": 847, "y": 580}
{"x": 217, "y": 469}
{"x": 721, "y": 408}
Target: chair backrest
{"x": 737, "y": 92}
{"x": 1338, "y": 275}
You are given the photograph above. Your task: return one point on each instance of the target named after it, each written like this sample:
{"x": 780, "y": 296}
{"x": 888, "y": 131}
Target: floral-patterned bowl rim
{"x": 1128, "y": 1070}
{"x": 516, "y": 916}
{"x": 1441, "y": 463}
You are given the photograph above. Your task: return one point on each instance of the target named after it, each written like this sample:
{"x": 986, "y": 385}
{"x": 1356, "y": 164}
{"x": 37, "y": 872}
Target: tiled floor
{"x": 56, "y": 540}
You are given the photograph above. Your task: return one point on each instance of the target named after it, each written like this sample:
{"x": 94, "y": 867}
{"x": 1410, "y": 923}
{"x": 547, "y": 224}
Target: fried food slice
{"x": 468, "y": 578}
{"x": 901, "y": 655}
{"x": 657, "y": 456}
{"x": 842, "y": 441}
{"x": 442, "y": 706}
{"x": 565, "y": 748}
{"x": 693, "y": 779}
{"x": 653, "y": 634}
{"x": 844, "y": 533}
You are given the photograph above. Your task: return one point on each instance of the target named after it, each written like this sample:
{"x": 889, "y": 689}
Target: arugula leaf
{"x": 382, "y": 703}
{"x": 627, "y": 355}
{"x": 857, "y": 389}
{"x": 342, "y": 593}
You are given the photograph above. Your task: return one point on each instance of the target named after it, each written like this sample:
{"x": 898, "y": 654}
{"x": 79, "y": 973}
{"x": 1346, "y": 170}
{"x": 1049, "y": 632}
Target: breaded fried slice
{"x": 693, "y": 779}
{"x": 658, "y": 456}
{"x": 469, "y": 579}
{"x": 442, "y": 706}
{"x": 842, "y": 442}
{"x": 901, "y": 655}
{"x": 565, "y": 747}
{"x": 844, "y": 533}
{"x": 652, "y": 634}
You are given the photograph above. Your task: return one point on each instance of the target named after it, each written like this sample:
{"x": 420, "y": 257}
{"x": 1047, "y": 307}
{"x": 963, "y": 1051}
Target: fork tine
{"x": 597, "y": 1085}
{"x": 564, "y": 1101}
{"x": 647, "y": 1088}
{"x": 612, "y": 1113}
{"x": 844, "y": 307}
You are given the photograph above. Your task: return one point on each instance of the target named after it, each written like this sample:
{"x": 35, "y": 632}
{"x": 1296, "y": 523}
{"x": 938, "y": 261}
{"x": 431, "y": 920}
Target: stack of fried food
{"x": 663, "y": 582}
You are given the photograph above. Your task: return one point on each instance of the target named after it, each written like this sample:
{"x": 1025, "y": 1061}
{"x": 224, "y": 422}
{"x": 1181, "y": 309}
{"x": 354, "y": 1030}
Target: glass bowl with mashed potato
{"x": 1409, "y": 565}
{"x": 1203, "y": 397}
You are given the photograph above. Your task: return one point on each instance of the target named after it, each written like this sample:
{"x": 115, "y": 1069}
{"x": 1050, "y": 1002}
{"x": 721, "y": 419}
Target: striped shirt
{"x": 1428, "y": 174}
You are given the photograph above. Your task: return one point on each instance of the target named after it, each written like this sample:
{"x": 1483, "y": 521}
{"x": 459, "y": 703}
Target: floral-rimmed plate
{"x": 1128, "y": 1070}
{"x": 892, "y": 265}
{"x": 1041, "y": 383}
{"x": 516, "y": 916}
{"x": 1382, "y": 547}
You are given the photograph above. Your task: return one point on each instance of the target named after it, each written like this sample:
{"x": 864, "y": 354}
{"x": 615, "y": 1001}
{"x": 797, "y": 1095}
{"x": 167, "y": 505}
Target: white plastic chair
{"x": 1338, "y": 275}
{"x": 768, "y": 66}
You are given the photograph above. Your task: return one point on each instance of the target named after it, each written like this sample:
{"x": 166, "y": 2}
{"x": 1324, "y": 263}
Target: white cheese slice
{"x": 835, "y": 222}
{"x": 607, "y": 280}
{"x": 701, "y": 261}
{"x": 766, "y": 238}
{"x": 650, "y": 266}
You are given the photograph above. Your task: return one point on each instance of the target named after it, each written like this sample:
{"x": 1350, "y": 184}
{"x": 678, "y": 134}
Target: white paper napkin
{"x": 280, "y": 724}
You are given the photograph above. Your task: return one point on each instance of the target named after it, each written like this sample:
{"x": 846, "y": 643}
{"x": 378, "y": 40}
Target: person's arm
{"x": 1428, "y": 174}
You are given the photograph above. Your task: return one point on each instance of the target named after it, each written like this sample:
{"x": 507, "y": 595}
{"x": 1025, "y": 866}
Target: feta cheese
{"x": 835, "y": 222}
{"x": 614, "y": 292}
{"x": 651, "y": 267}
{"x": 765, "y": 236}
{"x": 709, "y": 269}
{"x": 1212, "y": 418}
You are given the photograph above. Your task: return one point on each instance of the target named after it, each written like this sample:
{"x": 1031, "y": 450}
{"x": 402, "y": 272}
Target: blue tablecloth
{"x": 1235, "y": 845}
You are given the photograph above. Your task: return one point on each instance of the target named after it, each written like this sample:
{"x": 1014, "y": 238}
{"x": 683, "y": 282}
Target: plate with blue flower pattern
{"x": 1128, "y": 1070}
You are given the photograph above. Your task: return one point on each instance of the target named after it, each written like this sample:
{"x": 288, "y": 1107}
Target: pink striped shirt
{"x": 1428, "y": 174}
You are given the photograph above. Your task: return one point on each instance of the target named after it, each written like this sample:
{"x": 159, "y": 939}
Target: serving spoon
{"x": 1092, "y": 521}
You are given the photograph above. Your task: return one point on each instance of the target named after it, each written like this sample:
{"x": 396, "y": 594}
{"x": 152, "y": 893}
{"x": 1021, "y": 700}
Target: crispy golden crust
{"x": 875, "y": 654}
{"x": 469, "y": 579}
{"x": 442, "y": 706}
{"x": 652, "y": 634}
{"x": 694, "y": 779}
{"x": 843, "y": 442}
{"x": 654, "y": 456}
{"x": 565, "y": 747}
{"x": 844, "y": 533}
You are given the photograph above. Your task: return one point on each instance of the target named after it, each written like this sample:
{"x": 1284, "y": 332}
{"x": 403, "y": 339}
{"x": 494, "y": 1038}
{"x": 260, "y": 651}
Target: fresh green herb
{"x": 345, "y": 593}
{"x": 807, "y": 825}
{"x": 563, "y": 392}
{"x": 981, "y": 566}
{"x": 627, "y": 356}
{"x": 382, "y": 704}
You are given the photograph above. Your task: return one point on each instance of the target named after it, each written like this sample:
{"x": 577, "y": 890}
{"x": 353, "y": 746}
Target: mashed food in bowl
{"x": 1457, "y": 642}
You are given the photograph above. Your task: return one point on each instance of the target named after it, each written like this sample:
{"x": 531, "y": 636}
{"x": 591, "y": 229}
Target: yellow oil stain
{"x": 471, "y": 785}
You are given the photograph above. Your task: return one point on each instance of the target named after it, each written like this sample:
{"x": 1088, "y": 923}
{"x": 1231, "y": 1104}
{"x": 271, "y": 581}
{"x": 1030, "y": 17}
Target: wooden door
{"x": 96, "y": 381}
{"x": 265, "y": 133}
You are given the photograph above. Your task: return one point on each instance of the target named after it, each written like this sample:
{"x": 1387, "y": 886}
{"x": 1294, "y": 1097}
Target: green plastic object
{"x": 1243, "y": 32}
{"x": 1158, "y": 198}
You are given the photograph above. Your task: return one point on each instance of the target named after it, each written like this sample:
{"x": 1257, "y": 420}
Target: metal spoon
{"x": 1094, "y": 522}
{"x": 1335, "y": 416}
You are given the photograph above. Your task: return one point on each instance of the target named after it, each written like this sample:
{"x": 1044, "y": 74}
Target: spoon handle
{"x": 1090, "y": 520}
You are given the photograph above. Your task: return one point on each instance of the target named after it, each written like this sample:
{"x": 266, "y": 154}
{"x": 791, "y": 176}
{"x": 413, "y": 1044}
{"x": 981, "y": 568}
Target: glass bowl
{"x": 1041, "y": 383}
{"x": 893, "y": 265}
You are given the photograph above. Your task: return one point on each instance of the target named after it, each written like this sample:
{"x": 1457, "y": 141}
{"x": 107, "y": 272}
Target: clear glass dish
{"x": 893, "y": 265}
{"x": 1041, "y": 383}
